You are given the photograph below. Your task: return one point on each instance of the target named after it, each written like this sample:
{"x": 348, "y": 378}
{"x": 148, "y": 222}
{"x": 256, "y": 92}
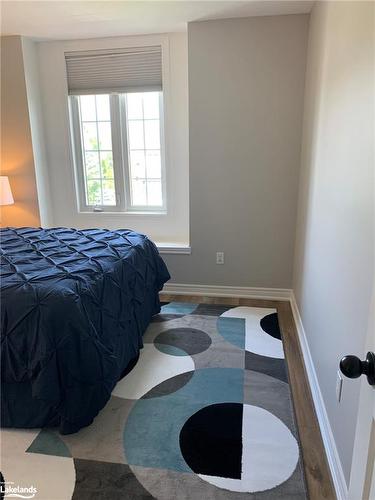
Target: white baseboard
{"x": 228, "y": 291}
{"x": 321, "y": 412}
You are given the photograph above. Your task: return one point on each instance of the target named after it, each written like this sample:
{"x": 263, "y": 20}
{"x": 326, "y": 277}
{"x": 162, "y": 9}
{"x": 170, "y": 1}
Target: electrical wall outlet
{"x": 338, "y": 386}
{"x": 219, "y": 257}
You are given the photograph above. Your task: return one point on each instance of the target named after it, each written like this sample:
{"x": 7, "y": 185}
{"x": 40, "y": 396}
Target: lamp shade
{"x": 6, "y": 197}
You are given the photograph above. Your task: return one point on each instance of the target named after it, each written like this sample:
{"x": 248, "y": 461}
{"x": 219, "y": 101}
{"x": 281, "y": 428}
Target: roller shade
{"x": 135, "y": 69}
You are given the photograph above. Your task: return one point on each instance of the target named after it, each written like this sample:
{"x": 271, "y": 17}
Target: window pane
{"x": 153, "y": 164}
{"x": 151, "y": 105}
{"x": 109, "y": 195}
{"x": 90, "y": 138}
{"x": 102, "y": 108}
{"x": 105, "y": 139}
{"x": 154, "y": 193}
{"x": 134, "y": 106}
{"x": 137, "y": 164}
{"x": 94, "y": 193}
{"x": 87, "y": 108}
{"x": 97, "y": 154}
{"x": 92, "y": 165}
{"x": 139, "y": 192}
{"x": 152, "y": 134}
{"x": 144, "y": 145}
{"x": 136, "y": 140}
{"x": 106, "y": 162}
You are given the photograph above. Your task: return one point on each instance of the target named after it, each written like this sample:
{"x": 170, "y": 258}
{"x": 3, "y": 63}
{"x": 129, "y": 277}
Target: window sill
{"x": 173, "y": 248}
{"x": 122, "y": 214}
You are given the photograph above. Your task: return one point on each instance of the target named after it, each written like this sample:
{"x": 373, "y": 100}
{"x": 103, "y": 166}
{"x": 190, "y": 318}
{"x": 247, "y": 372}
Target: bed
{"x": 74, "y": 307}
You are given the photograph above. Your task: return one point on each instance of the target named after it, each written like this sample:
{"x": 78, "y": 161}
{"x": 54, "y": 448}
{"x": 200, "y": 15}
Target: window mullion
{"x": 117, "y": 151}
{"x": 99, "y": 155}
{"x": 144, "y": 148}
{"x": 125, "y": 151}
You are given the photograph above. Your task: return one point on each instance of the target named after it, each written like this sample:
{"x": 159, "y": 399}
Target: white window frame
{"x": 120, "y": 154}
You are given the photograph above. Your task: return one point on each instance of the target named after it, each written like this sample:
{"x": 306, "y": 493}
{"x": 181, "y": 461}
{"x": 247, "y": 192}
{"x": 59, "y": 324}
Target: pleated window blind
{"x": 135, "y": 69}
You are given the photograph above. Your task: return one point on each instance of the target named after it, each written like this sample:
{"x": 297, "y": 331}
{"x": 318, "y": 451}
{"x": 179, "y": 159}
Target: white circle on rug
{"x": 269, "y": 453}
{"x": 152, "y": 368}
{"x": 256, "y": 339}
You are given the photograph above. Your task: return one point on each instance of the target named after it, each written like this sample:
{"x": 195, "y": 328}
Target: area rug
{"x": 205, "y": 414}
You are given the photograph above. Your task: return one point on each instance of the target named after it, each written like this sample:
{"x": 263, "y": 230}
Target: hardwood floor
{"x": 318, "y": 478}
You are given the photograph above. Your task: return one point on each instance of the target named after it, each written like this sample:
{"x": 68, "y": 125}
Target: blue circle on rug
{"x": 152, "y": 430}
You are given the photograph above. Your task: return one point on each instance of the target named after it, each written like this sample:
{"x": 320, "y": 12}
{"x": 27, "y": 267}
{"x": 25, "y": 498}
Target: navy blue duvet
{"x": 74, "y": 307}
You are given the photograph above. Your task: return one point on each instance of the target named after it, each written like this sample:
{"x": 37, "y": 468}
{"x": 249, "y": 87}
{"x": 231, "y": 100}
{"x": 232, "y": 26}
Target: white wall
{"x": 172, "y": 227}
{"x": 246, "y": 84}
{"x": 335, "y": 232}
{"x": 34, "y": 102}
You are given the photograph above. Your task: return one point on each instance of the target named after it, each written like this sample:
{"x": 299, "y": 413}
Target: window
{"x": 116, "y": 110}
{"x": 117, "y": 139}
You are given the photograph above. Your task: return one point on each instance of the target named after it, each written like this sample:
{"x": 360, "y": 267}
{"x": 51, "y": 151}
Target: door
{"x": 362, "y": 476}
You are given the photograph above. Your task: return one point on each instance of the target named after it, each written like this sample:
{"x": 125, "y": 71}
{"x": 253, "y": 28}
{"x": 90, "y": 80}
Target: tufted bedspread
{"x": 74, "y": 307}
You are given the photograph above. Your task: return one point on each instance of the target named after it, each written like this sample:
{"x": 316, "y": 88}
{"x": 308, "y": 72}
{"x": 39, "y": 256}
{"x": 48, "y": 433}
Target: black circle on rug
{"x": 211, "y": 440}
{"x": 270, "y": 324}
{"x": 189, "y": 340}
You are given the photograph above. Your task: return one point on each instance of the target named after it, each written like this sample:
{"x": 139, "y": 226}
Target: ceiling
{"x": 57, "y": 20}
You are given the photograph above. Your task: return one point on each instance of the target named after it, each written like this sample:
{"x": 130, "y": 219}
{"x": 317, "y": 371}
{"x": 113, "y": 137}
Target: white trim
{"x": 122, "y": 214}
{"x": 228, "y": 291}
{"x": 334, "y": 461}
{"x": 171, "y": 248}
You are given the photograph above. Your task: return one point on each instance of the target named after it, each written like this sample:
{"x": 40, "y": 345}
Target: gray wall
{"x": 335, "y": 232}
{"x": 246, "y": 83}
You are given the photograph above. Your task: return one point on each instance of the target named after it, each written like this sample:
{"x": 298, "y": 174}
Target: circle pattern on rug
{"x": 241, "y": 326}
{"x": 211, "y": 440}
{"x": 239, "y": 447}
{"x": 188, "y": 340}
{"x": 152, "y": 430}
{"x": 153, "y": 368}
{"x": 169, "y": 386}
{"x": 270, "y": 324}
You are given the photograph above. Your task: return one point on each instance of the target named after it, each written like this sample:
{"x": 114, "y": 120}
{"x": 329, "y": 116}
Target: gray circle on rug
{"x": 165, "y": 484}
{"x": 189, "y": 340}
{"x": 168, "y": 386}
